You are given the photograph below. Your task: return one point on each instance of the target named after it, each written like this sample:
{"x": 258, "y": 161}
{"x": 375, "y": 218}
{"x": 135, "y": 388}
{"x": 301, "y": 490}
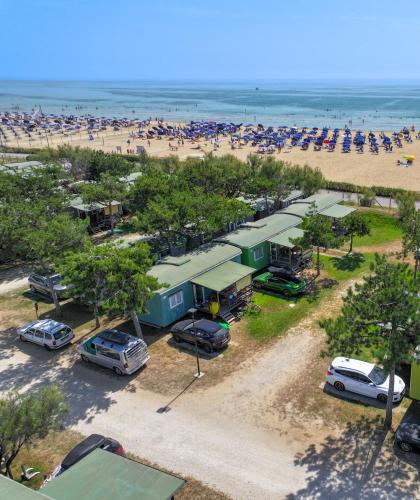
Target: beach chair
{"x": 28, "y": 473}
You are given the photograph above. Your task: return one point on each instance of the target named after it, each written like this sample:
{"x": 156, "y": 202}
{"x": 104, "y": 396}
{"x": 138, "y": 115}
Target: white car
{"x": 46, "y": 332}
{"x": 352, "y": 375}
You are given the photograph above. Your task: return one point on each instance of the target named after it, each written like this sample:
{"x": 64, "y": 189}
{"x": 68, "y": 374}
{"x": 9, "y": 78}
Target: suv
{"x": 39, "y": 283}
{"x": 408, "y": 433}
{"x": 207, "y": 334}
{"x": 83, "y": 449}
{"x": 46, "y": 332}
{"x": 363, "y": 378}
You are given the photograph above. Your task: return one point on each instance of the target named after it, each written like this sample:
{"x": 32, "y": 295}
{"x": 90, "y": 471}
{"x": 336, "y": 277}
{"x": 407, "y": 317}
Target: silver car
{"x": 46, "y": 332}
{"x": 40, "y": 283}
{"x": 119, "y": 351}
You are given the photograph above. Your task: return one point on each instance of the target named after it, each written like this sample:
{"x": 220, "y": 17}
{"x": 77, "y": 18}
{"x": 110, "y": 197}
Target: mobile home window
{"x": 259, "y": 253}
{"x": 176, "y": 299}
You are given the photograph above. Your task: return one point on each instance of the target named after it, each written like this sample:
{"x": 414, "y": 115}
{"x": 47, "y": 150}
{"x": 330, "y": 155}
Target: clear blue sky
{"x": 213, "y": 39}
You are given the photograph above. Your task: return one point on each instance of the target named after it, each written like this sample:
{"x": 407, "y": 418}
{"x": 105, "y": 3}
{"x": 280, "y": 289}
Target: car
{"x": 208, "y": 335}
{"x": 41, "y": 284}
{"x": 286, "y": 285}
{"x": 360, "y": 377}
{"x": 83, "y": 449}
{"x": 119, "y": 351}
{"x": 407, "y": 436}
{"x": 46, "y": 332}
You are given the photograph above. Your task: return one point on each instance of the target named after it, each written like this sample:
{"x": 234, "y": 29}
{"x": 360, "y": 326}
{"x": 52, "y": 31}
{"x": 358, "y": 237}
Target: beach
{"x": 364, "y": 169}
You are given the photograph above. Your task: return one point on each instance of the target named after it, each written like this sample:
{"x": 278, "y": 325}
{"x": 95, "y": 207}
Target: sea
{"x": 365, "y": 105}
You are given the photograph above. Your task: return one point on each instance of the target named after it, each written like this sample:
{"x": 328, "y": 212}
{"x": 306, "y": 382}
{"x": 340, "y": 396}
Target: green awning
{"x": 337, "y": 211}
{"x": 223, "y": 276}
{"x": 284, "y": 239}
{"x": 102, "y": 475}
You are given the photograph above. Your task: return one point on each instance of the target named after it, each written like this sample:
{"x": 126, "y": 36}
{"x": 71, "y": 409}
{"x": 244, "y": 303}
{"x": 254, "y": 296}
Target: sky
{"x": 209, "y": 40}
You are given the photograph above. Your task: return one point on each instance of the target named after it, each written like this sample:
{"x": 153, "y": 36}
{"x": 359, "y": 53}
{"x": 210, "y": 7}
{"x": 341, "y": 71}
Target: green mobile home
{"x": 253, "y": 238}
{"x": 210, "y": 273}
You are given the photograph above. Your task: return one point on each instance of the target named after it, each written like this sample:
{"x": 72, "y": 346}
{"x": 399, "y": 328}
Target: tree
{"x": 381, "y": 315}
{"x": 87, "y": 272}
{"x": 355, "y": 225}
{"x": 24, "y": 418}
{"x": 410, "y": 223}
{"x": 318, "y": 232}
{"x": 185, "y": 214}
{"x": 107, "y": 190}
{"x": 129, "y": 286}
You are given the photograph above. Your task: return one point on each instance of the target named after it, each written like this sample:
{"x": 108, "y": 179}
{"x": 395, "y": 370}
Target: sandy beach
{"x": 365, "y": 169}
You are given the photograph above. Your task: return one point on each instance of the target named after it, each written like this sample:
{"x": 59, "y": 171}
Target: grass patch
{"x": 383, "y": 228}
{"x": 348, "y": 266}
{"x": 279, "y": 314}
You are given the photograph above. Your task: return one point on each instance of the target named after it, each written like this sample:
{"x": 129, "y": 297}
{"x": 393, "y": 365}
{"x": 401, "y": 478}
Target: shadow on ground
{"x": 88, "y": 388}
{"x": 358, "y": 464}
{"x": 349, "y": 262}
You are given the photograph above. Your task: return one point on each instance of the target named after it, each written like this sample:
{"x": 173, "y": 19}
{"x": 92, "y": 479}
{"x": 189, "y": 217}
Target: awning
{"x": 223, "y": 276}
{"x": 284, "y": 239}
{"x": 107, "y": 476}
{"x": 337, "y": 211}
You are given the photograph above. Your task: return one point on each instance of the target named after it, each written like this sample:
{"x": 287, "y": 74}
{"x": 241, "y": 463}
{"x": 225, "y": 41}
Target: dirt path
{"x": 229, "y": 436}
{"x": 13, "y": 278}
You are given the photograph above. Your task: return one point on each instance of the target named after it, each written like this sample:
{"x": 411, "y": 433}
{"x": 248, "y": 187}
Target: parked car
{"x": 116, "y": 350}
{"x": 360, "y": 377}
{"x": 209, "y": 335}
{"x": 39, "y": 283}
{"x": 286, "y": 285}
{"x": 46, "y": 332}
{"x": 83, "y": 449}
{"x": 407, "y": 436}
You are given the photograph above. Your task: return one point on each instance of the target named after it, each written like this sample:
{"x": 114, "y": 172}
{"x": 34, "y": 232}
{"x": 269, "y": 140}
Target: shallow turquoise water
{"x": 366, "y": 105}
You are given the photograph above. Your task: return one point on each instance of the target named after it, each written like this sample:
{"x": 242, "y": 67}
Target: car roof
{"x": 353, "y": 364}
{"x": 208, "y": 326}
{"x": 46, "y": 325}
{"x": 182, "y": 324}
{"x": 82, "y": 449}
{"x": 115, "y": 340}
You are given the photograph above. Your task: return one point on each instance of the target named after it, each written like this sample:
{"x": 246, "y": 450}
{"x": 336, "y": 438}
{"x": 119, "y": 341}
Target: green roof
{"x": 284, "y": 238}
{"x": 223, "y": 276}
{"x": 338, "y": 211}
{"x": 177, "y": 270}
{"x": 322, "y": 200}
{"x": 298, "y": 209}
{"x": 78, "y": 204}
{"x": 10, "y": 489}
{"x": 251, "y": 235}
{"x": 102, "y": 475}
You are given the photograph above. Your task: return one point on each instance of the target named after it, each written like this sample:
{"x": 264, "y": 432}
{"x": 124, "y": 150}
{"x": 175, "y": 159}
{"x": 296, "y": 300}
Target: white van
{"x": 116, "y": 350}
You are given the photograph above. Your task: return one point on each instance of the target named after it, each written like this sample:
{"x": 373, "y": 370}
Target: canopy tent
{"x": 106, "y": 476}
{"x": 223, "y": 276}
{"x": 285, "y": 239}
{"x": 337, "y": 211}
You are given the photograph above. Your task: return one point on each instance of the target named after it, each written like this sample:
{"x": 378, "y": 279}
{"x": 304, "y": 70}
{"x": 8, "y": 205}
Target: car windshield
{"x": 377, "y": 375}
{"x": 56, "y": 279}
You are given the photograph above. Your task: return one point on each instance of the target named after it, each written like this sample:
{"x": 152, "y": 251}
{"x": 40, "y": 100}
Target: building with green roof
{"x": 253, "y": 238}
{"x": 191, "y": 280}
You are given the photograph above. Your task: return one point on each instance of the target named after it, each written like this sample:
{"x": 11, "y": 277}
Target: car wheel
{"x": 117, "y": 371}
{"x": 339, "y": 386}
{"x": 22, "y": 338}
{"x": 177, "y": 339}
{"x": 84, "y": 358}
{"x": 382, "y": 398}
{"x": 405, "y": 446}
{"x": 208, "y": 348}
{"x": 32, "y": 288}
{"x": 47, "y": 347}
